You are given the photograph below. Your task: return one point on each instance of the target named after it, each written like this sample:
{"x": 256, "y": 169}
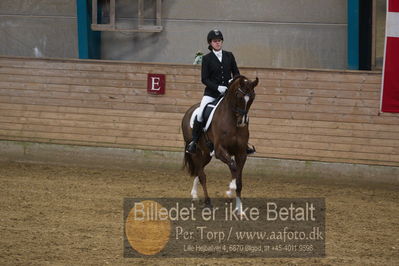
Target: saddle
{"x": 207, "y": 114}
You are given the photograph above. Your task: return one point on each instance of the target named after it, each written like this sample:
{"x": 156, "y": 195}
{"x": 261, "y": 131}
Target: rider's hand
{"x": 222, "y": 89}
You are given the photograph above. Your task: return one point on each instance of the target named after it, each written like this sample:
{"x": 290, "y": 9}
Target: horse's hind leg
{"x": 201, "y": 161}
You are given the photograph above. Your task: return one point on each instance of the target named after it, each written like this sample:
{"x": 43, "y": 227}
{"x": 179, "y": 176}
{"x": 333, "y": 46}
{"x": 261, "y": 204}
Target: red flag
{"x": 390, "y": 79}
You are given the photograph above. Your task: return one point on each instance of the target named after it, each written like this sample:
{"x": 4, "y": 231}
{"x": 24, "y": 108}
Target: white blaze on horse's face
{"x": 246, "y": 98}
{"x": 244, "y": 118}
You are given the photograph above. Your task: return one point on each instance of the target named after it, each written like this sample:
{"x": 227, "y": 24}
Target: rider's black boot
{"x": 197, "y": 128}
{"x": 251, "y": 150}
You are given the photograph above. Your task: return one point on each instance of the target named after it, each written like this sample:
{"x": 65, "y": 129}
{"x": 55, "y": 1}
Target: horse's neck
{"x": 228, "y": 108}
{"x": 230, "y": 100}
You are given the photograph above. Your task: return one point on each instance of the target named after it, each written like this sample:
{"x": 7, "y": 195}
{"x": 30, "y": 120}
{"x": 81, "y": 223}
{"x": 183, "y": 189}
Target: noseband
{"x": 241, "y": 111}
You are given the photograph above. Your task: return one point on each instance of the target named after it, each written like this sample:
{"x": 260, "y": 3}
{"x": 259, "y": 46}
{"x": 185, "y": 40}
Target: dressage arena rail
{"x": 308, "y": 115}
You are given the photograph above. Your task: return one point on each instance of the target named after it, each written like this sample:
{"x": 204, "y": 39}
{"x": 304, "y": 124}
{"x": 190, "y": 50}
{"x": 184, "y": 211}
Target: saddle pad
{"x": 208, "y": 122}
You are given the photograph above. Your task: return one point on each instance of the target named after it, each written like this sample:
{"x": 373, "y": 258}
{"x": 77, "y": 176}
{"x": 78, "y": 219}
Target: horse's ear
{"x": 255, "y": 82}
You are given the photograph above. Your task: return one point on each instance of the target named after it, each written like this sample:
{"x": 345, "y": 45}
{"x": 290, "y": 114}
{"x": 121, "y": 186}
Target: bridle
{"x": 243, "y": 112}
{"x": 239, "y": 110}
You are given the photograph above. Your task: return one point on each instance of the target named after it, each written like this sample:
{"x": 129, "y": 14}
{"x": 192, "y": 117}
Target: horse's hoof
{"x": 229, "y": 200}
{"x": 208, "y": 204}
{"x": 195, "y": 199}
{"x": 240, "y": 212}
{"x": 229, "y": 193}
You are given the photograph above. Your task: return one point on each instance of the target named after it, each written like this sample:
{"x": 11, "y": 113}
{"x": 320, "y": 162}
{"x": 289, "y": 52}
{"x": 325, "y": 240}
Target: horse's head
{"x": 241, "y": 94}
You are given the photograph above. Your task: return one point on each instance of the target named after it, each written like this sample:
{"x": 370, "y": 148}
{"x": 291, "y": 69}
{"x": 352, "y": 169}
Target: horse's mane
{"x": 235, "y": 78}
{"x": 230, "y": 91}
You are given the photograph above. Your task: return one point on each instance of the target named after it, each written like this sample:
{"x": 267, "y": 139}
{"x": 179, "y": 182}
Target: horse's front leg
{"x": 240, "y": 159}
{"x": 236, "y": 182}
{"x": 236, "y": 172}
{"x": 222, "y": 154}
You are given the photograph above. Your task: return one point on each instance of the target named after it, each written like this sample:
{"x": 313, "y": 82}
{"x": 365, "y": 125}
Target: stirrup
{"x": 191, "y": 147}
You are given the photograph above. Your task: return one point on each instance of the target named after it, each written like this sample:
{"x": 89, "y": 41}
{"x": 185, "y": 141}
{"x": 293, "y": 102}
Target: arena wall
{"x": 273, "y": 33}
{"x": 306, "y": 115}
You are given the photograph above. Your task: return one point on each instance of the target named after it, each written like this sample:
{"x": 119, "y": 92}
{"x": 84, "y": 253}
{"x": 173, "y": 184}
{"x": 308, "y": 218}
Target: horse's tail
{"x": 188, "y": 164}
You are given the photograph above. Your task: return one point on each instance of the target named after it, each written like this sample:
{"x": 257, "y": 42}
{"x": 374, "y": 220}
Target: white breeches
{"x": 205, "y": 100}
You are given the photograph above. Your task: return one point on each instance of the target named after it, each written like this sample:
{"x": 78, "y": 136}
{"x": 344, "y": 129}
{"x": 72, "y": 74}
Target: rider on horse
{"x": 218, "y": 67}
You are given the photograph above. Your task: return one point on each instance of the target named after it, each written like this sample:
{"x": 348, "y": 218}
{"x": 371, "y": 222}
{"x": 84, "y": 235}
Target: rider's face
{"x": 216, "y": 44}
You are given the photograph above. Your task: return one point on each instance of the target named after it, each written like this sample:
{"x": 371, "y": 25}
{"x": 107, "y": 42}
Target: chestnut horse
{"x": 229, "y": 135}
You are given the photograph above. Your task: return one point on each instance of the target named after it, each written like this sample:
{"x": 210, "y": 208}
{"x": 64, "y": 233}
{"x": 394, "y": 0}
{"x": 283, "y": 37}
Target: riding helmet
{"x": 214, "y": 34}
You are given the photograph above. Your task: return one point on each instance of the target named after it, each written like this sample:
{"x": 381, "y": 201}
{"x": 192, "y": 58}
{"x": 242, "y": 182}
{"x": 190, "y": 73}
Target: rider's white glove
{"x": 222, "y": 89}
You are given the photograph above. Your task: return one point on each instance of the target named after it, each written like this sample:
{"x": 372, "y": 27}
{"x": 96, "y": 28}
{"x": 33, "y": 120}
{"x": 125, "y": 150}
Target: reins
{"x": 240, "y": 111}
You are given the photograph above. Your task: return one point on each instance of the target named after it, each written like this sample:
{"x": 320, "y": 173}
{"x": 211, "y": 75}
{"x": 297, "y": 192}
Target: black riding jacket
{"x": 215, "y": 73}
